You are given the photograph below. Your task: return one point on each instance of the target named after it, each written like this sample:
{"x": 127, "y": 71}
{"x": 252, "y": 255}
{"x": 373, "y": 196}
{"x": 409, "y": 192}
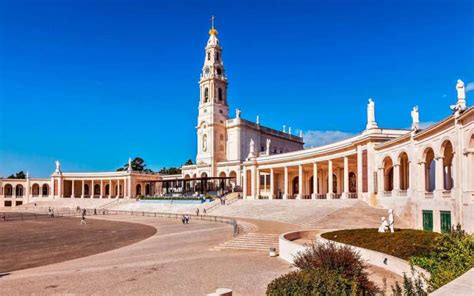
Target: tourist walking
{"x": 83, "y": 217}
{"x": 197, "y": 212}
{"x": 183, "y": 219}
{"x": 204, "y": 211}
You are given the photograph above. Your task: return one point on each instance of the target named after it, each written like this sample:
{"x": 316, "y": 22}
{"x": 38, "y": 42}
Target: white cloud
{"x": 314, "y": 138}
{"x": 469, "y": 87}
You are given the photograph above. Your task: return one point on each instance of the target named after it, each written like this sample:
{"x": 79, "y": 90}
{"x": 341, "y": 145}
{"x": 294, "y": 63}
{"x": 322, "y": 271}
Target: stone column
{"x": 91, "y": 190}
{"x": 285, "y": 187}
{"x": 272, "y": 184}
{"x": 300, "y": 182}
{"x": 72, "y": 189}
{"x": 111, "y": 189}
{"x": 359, "y": 171}
{"x": 439, "y": 182}
{"x": 129, "y": 187}
{"x": 380, "y": 180}
{"x": 244, "y": 189}
{"x": 345, "y": 194}
{"x": 82, "y": 188}
{"x": 101, "y": 188}
{"x": 253, "y": 172}
{"x": 396, "y": 179}
{"x": 330, "y": 180}
{"x": 315, "y": 181}
{"x": 60, "y": 187}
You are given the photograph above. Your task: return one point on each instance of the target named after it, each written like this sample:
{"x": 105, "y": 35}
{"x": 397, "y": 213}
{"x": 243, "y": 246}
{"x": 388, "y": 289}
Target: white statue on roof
{"x": 58, "y": 166}
{"x": 415, "y": 116}
{"x": 251, "y": 149}
{"x": 371, "y": 123}
{"x": 268, "y": 146}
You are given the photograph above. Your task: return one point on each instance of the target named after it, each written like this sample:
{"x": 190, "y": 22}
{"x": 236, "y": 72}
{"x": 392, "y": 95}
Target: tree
{"x": 170, "y": 171}
{"x": 138, "y": 165}
{"x": 19, "y": 175}
{"x": 189, "y": 162}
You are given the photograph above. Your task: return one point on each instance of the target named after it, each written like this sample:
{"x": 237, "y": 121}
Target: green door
{"x": 445, "y": 221}
{"x": 427, "y": 220}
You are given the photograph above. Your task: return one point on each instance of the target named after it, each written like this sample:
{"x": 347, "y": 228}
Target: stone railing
{"x": 403, "y": 193}
{"x": 446, "y": 193}
{"x": 352, "y": 195}
{"x": 336, "y": 195}
{"x": 428, "y": 194}
{"x": 387, "y": 194}
{"x": 321, "y": 196}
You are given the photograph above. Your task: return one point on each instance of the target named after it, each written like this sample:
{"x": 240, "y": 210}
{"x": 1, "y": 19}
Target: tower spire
{"x": 213, "y": 30}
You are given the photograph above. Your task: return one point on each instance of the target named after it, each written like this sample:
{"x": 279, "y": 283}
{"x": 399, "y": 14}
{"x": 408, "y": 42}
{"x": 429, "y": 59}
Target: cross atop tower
{"x": 213, "y": 30}
{"x": 213, "y": 19}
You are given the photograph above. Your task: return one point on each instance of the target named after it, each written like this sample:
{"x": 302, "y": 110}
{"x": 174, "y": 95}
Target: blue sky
{"x": 92, "y": 83}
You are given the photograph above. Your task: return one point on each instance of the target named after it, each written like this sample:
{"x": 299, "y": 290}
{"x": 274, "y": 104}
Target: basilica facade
{"x": 425, "y": 175}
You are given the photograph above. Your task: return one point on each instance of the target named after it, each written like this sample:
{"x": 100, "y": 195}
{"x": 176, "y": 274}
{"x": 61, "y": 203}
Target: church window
{"x": 222, "y": 137}
{"x": 219, "y": 71}
{"x": 220, "y": 111}
{"x": 206, "y": 95}
{"x": 219, "y": 91}
{"x": 217, "y": 56}
{"x": 208, "y": 56}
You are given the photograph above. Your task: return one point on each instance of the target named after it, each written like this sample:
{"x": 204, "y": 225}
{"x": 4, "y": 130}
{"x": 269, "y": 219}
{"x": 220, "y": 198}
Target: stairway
{"x": 252, "y": 242}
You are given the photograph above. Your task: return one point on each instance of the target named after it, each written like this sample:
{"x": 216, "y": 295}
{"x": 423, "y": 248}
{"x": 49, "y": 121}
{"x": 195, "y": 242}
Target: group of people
{"x": 387, "y": 224}
{"x": 51, "y": 212}
{"x": 185, "y": 219}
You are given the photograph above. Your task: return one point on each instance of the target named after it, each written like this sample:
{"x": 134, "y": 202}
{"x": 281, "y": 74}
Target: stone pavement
{"x": 462, "y": 286}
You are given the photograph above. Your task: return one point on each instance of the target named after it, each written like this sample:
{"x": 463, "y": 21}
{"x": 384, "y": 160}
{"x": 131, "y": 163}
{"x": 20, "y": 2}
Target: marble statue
{"x": 371, "y": 123}
{"x": 460, "y": 89}
{"x": 391, "y": 221}
{"x": 251, "y": 149}
{"x": 268, "y": 146}
{"x": 58, "y": 166}
{"x": 258, "y": 120}
{"x": 289, "y": 130}
{"x": 237, "y": 113}
{"x": 415, "y": 116}
{"x": 301, "y": 134}
{"x": 384, "y": 225}
{"x": 129, "y": 165}
{"x": 284, "y": 128}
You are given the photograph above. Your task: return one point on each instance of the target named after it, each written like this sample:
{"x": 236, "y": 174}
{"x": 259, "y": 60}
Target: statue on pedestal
{"x": 129, "y": 169}
{"x": 415, "y": 118}
{"x": 371, "y": 123}
{"x": 251, "y": 149}
{"x": 58, "y": 166}
{"x": 237, "y": 113}
{"x": 268, "y": 146}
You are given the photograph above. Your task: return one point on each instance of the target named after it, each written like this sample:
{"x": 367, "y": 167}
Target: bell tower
{"x": 213, "y": 107}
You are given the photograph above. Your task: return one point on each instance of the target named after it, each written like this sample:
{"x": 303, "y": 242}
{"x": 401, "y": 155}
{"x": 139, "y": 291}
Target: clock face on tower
{"x": 206, "y": 70}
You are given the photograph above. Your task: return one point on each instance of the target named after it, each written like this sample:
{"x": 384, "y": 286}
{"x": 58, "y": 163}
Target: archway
{"x": 352, "y": 182}
{"x": 96, "y": 189}
{"x": 387, "y": 174}
{"x": 404, "y": 171}
{"x": 86, "y": 189}
{"x": 35, "y": 190}
{"x": 45, "y": 190}
{"x": 430, "y": 170}
{"x": 107, "y": 189}
{"x": 295, "y": 185}
{"x": 147, "y": 190}
{"x": 19, "y": 190}
{"x": 233, "y": 180}
{"x": 311, "y": 187}
{"x": 447, "y": 149}
{"x": 138, "y": 189}
{"x": 8, "y": 190}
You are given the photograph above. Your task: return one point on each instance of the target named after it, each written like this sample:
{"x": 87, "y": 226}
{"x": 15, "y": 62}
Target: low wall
{"x": 289, "y": 249}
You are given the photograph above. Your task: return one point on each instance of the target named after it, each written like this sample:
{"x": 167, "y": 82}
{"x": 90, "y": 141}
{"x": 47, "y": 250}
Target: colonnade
{"x": 335, "y": 178}
{"x": 95, "y": 188}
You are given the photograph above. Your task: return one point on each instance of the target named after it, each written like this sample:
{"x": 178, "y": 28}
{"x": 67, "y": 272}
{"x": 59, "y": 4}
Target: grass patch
{"x": 403, "y": 243}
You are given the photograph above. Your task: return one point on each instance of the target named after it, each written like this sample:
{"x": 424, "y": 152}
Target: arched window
{"x": 387, "y": 174}
{"x": 107, "y": 189}
{"x": 430, "y": 170}
{"x": 217, "y": 56}
{"x": 208, "y": 56}
{"x": 19, "y": 190}
{"x": 404, "y": 171}
{"x": 45, "y": 189}
{"x": 206, "y": 95}
{"x": 220, "y": 94}
{"x": 8, "y": 190}
{"x": 35, "y": 190}
{"x": 96, "y": 189}
{"x": 447, "y": 165}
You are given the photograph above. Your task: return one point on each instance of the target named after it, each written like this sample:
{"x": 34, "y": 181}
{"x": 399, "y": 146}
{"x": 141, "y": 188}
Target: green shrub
{"x": 414, "y": 286}
{"x": 311, "y": 282}
{"x": 340, "y": 259}
{"x": 453, "y": 255}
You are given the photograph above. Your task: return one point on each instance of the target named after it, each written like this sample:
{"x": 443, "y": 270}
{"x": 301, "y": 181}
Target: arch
{"x": 86, "y": 189}
{"x": 311, "y": 187}
{"x": 187, "y": 176}
{"x": 219, "y": 92}
{"x": 295, "y": 185}
{"x": 8, "y": 190}
{"x": 147, "y": 190}
{"x": 107, "y": 189}
{"x": 448, "y": 155}
{"x": 45, "y": 190}
{"x": 19, "y": 190}
{"x": 430, "y": 169}
{"x": 404, "y": 171}
{"x": 206, "y": 95}
{"x": 387, "y": 174}
{"x": 352, "y": 182}
{"x": 35, "y": 190}
{"x": 96, "y": 189}
{"x": 203, "y": 175}
{"x": 222, "y": 175}
{"x": 138, "y": 189}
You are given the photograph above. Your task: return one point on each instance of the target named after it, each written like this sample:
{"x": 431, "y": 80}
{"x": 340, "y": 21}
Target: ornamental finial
{"x": 213, "y": 30}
